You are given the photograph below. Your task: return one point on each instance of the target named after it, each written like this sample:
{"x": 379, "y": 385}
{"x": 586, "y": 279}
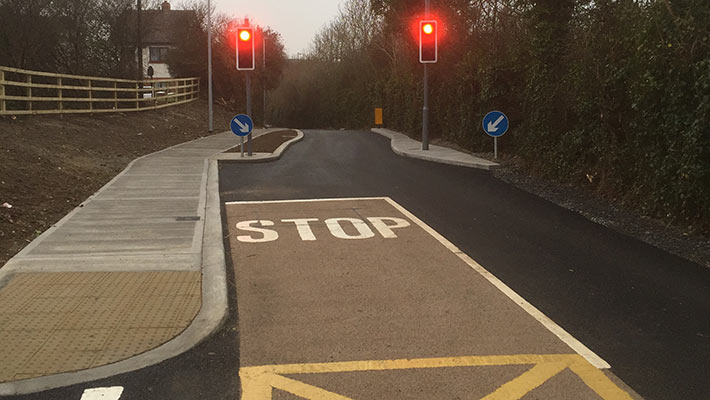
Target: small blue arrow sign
{"x": 495, "y": 124}
{"x": 241, "y": 125}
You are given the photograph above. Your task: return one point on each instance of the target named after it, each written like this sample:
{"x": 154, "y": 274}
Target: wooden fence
{"x": 31, "y": 92}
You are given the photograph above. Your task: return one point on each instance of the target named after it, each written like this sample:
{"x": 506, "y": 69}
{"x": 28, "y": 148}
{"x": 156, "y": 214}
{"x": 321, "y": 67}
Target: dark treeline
{"x": 83, "y": 37}
{"x": 98, "y": 38}
{"x": 614, "y": 94}
{"x": 189, "y": 59}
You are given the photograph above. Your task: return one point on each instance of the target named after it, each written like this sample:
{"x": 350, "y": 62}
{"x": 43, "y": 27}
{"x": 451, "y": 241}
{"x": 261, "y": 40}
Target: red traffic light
{"x": 428, "y": 28}
{"x": 245, "y": 49}
{"x": 428, "y": 41}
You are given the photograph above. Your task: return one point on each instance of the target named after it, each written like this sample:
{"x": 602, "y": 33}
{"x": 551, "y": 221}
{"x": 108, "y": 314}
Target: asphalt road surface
{"x": 641, "y": 309}
{"x": 644, "y": 311}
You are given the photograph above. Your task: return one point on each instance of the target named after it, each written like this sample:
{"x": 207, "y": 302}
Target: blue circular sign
{"x": 241, "y": 125}
{"x": 495, "y": 124}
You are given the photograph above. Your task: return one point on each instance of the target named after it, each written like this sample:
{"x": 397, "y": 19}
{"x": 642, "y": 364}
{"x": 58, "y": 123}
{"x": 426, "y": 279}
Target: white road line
{"x": 551, "y": 325}
{"x": 307, "y": 200}
{"x": 104, "y": 393}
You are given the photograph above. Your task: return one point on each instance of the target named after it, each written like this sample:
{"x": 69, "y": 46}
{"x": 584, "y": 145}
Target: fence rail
{"x": 33, "y": 92}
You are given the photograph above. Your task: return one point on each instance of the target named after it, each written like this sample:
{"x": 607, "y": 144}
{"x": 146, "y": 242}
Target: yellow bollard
{"x": 378, "y": 116}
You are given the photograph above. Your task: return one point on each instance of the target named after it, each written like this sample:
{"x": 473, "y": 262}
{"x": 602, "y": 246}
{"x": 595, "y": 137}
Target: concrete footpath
{"x": 405, "y": 146}
{"x": 116, "y": 284}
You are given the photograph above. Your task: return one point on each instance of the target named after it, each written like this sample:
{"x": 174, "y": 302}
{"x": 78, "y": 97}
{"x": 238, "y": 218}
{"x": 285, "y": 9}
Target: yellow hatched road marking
{"x": 526, "y": 382}
{"x": 258, "y": 381}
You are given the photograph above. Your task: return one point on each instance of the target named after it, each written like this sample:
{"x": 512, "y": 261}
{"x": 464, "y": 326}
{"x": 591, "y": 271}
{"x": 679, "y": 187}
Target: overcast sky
{"x": 296, "y": 20}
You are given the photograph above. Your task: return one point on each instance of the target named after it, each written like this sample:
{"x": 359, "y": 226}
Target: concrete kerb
{"x": 261, "y": 157}
{"x": 214, "y": 295}
{"x": 405, "y": 146}
{"x": 214, "y": 284}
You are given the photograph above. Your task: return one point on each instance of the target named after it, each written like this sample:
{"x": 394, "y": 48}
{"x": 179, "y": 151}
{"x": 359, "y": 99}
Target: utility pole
{"x": 425, "y": 108}
{"x": 210, "y": 128}
{"x": 139, "y": 42}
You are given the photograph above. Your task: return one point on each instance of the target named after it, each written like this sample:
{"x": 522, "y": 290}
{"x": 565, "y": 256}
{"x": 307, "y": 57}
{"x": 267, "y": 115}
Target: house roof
{"x": 159, "y": 26}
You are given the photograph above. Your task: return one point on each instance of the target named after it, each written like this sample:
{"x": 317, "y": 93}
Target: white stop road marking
{"x": 383, "y": 225}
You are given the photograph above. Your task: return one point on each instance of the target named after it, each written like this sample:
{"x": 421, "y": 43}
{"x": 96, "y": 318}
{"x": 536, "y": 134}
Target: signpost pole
{"x": 242, "y": 125}
{"x": 248, "y": 79}
{"x": 425, "y": 108}
{"x": 495, "y": 124}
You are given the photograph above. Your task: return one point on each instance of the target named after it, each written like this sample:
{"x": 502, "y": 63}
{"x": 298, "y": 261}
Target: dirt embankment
{"x": 50, "y": 164}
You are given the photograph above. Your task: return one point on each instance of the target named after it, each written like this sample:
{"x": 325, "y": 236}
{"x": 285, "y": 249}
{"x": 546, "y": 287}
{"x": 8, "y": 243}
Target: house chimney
{"x": 166, "y": 6}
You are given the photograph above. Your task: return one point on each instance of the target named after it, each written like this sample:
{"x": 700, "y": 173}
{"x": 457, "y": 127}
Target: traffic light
{"x": 428, "y": 41}
{"x": 245, "y": 49}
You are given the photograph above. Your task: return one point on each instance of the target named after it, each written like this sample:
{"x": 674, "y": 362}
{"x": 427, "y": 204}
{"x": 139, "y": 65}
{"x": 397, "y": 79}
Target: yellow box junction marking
{"x": 258, "y": 382}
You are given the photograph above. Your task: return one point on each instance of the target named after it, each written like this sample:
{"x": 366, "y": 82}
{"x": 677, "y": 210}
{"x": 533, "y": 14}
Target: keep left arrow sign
{"x": 244, "y": 128}
{"x": 493, "y": 126}
{"x": 241, "y": 125}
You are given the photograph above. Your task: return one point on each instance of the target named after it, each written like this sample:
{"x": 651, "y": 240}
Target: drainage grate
{"x": 187, "y": 218}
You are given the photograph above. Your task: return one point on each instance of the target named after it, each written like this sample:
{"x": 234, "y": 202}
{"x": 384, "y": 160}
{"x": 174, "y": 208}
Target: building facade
{"x": 159, "y": 30}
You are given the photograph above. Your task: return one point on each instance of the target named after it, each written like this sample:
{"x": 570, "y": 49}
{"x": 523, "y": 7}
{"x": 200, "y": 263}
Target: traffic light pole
{"x": 248, "y": 81}
{"x": 425, "y": 111}
{"x": 425, "y": 108}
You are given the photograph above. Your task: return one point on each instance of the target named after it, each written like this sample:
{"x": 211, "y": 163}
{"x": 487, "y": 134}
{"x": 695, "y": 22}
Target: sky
{"x": 296, "y": 20}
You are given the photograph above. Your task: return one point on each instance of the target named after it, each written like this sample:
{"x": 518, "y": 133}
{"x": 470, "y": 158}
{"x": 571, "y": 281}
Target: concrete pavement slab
{"x": 403, "y": 145}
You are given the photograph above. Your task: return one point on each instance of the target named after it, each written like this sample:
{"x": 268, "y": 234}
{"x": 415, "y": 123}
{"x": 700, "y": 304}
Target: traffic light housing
{"x": 245, "y": 49}
{"x": 428, "y": 41}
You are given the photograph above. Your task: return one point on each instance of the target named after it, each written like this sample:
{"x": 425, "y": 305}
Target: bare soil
{"x": 50, "y": 164}
{"x": 267, "y": 143}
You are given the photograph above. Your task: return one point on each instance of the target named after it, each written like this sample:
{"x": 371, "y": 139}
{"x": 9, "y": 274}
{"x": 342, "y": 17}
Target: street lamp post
{"x": 263, "y": 73}
{"x": 209, "y": 66}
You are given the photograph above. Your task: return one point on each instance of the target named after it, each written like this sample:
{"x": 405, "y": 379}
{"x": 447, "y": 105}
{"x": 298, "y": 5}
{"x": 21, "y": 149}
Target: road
{"x": 640, "y": 309}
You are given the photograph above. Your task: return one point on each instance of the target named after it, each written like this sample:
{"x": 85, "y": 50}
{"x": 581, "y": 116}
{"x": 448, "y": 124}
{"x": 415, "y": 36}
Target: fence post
{"x": 91, "y": 97}
{"x": 115, "y": 95}
{"x": 29, "y": 93}
{"x": 137, "y": 103}
{"x": 3, "y": 107}
{"x": 60, "y": 94}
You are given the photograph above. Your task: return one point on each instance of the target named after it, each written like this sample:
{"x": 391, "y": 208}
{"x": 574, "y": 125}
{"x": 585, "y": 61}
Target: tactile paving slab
{"x": 59, "y": 322}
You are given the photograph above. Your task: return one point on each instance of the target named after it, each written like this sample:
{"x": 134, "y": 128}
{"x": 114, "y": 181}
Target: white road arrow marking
{"x": 244, "y": 128}
{"x": 104, "y": 393}
{"x": 493, "y": 126}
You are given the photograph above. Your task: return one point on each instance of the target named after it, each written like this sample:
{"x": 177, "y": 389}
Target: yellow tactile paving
{"x": 60, "y": 322}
